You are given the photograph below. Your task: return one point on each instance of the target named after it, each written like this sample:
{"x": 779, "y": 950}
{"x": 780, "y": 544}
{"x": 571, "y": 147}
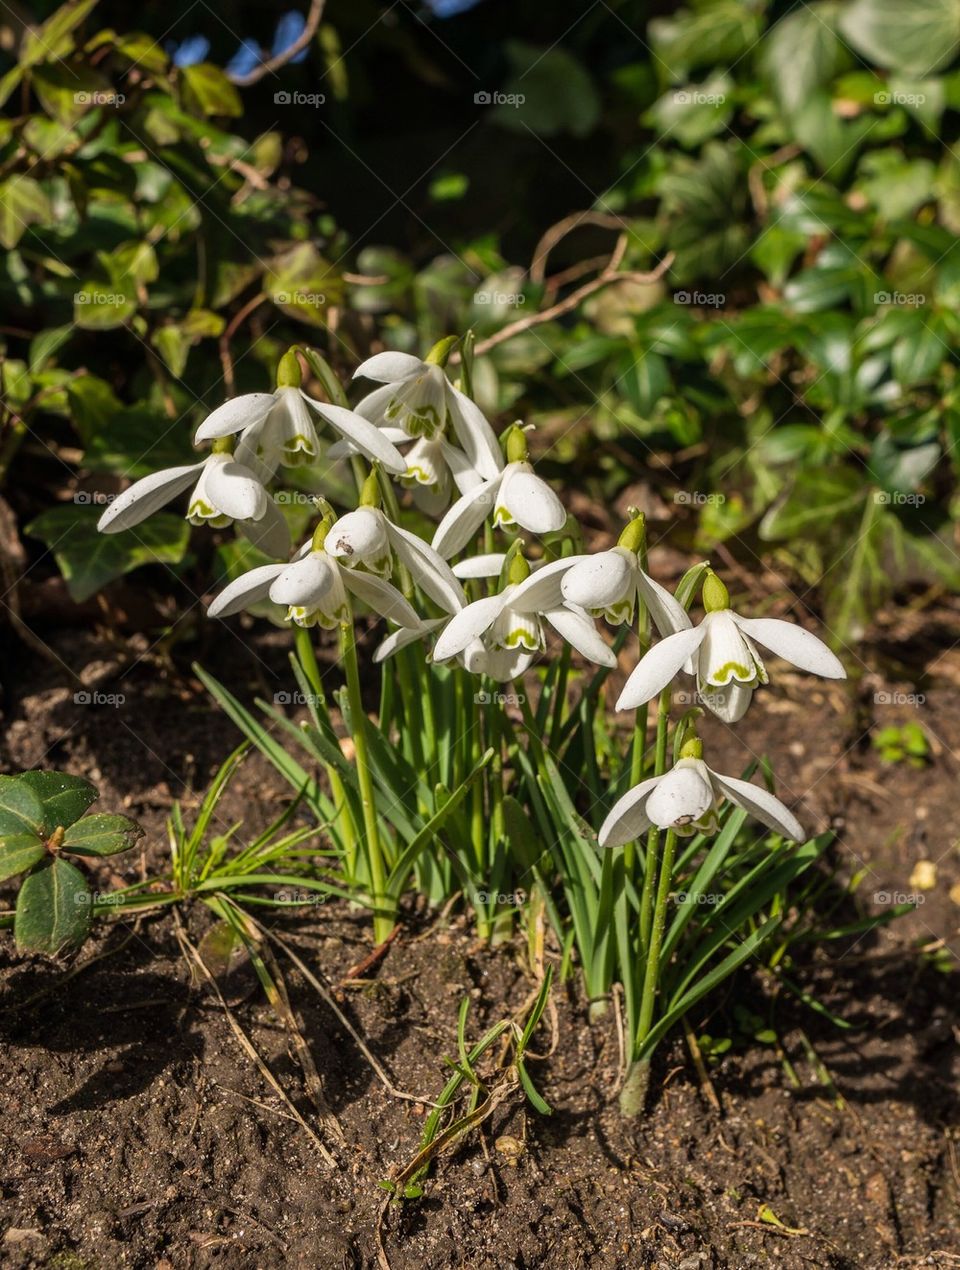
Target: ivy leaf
{"x": 55, "y": 39}
{"x": 21, "y": 812}
{"x": 89, "y": 560}
{"x": 208, "y": 88}
{"x": 101, "y": 834}
{"x": 302, "y": 283}
{"x": 916, "y": 38}
{"x": 22, "y": 204}
{"x": 53, "y": 909}
{"x": 63, "y": 798}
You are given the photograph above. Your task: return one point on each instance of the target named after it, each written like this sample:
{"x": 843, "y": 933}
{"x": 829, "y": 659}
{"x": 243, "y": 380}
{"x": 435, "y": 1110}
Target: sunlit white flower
{"x": 434, "y": 468}
{"x": 516, "y": 496}
{"x": 368, "y": 538}
{"x": 686, "y": 800}
{"x": 224, "y": 491}
{"x": 277, "y": 427}
{"x": 315, "y": 589}
{"x": 722, "y": 654}
{"x": 609, "y": 583}
{"x": 417, "y": 397}
{"x": 510, "y": 623}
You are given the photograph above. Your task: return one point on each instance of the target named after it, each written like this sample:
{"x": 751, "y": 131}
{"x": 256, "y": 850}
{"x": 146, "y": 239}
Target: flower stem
{"x": 651, "y": 975}
{"x": 383, "y": 908}
{"x": 653, "y": 837}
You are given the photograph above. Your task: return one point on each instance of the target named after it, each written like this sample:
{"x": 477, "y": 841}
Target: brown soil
{"x": 138, "y": 1134}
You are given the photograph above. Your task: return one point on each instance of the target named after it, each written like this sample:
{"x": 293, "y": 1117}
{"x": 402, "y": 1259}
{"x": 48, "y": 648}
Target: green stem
{"x": 653, "y": 837}
{"x": 652, "y": 973}
{"x": 384, "y": 909}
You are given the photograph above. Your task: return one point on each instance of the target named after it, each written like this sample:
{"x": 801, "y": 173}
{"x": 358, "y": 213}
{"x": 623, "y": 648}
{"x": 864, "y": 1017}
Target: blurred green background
{"x": 788, "y": 387}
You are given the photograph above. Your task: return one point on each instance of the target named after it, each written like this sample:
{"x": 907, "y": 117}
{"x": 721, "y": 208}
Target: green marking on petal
{"x": 722, "y": 675}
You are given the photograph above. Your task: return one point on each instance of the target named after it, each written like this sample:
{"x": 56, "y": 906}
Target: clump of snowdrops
{"x": 493, "y": 753}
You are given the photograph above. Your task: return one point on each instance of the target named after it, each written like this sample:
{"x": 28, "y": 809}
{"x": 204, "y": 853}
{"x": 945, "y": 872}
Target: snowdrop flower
{"x": 368, "y": 538}
{"x": 224, "y": 490}
{"x": 434, "y": 468}
{"x": 510, "y": 623}
{"x": 277, "y": 427}
{"x": 609, "y": 583}
{"x": 517, "y": 496}
{"x": 418, "y": 398}
{"x": 722, "y": 654}
{"x": 315, "y": 588}
{"x": 686, "y": 799}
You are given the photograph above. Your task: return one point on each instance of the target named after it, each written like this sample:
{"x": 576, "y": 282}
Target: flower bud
{"x": 515, "y": 444}
{"x": 519, "y": 570}
{"x": 634, "y": 534}
{"x": 370, "y": 493}
{"x": 715, "y": 594}
{"x": 288, "y": 370}
{"x": 441, "y": 351}
{"x": 692, "y": 748}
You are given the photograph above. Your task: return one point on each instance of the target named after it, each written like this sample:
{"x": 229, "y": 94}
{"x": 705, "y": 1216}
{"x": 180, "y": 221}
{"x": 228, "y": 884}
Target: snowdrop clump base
{"x": 492, "y": 768}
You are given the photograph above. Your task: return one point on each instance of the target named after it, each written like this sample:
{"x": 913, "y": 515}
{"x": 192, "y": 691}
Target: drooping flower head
{"x": 515, "y": 497}
{"x": 686, "y": 799}
{"x": 721, "y": 653}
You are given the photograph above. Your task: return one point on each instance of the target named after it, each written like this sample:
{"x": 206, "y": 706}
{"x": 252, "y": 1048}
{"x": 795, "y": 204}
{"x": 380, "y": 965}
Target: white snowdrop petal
{"x": 357, "y": 535}
{"x": 467, "y": 625}
{"x": 146, "y": 496}
{"x": 270, "y": 534}
{"x": 658, "y": 667}
{"x": 543, "y": 589}
{"x": 668, "y": 614}
{"x": 305, "y": 582}
{"x": 598, "y": 581}
{"x": 428, "y": 568}
{"x": 367, "y": 438}
{"x": 531, "y": 502}
{"x": 582, "y": 635}
{"x": 729, "y": 703}
{"x": 504, "y": 664}
{"x": 380, "y": 596}
{"x": 245, "y": 590}
{"x": 762, "y": 805}
{"x": 487, "y": 565}
{"x": 793, "y": 644}
{"x": 403, "y": 636}
{"x": 235, "y": 490}
{"x": 682, "y": 797}
{"x": 474, "y": 433}
{"x": 724, "y": 655}
{"x": 388, "y": 368}
{"x": 628, "y": 817}
{"x": 464, "y": 519}
{"x": 236, "y": 415}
